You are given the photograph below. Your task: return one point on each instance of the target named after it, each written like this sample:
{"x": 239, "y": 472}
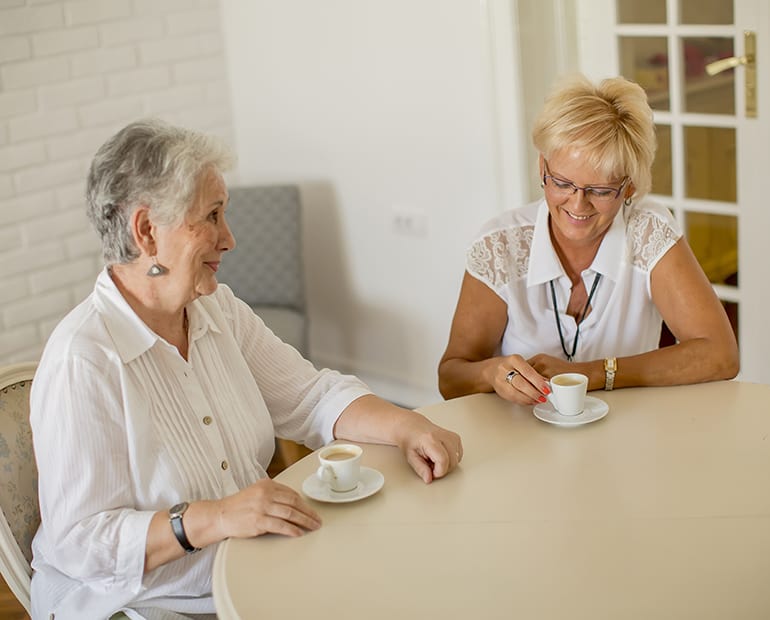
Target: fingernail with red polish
{"x": 546, "y": 390}
{"x": 542, "y": 399}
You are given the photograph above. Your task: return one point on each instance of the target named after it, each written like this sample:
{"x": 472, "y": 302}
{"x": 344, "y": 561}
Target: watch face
{"x": 178, "y": 510}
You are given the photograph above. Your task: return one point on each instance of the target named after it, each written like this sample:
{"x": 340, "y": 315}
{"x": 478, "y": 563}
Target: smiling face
{"x": 192, "y": 250}
{"x": 578, "y": 219}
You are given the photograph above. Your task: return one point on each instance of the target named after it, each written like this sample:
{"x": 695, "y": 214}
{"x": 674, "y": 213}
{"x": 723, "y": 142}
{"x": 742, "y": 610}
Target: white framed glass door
{"x": 713, "y": 148}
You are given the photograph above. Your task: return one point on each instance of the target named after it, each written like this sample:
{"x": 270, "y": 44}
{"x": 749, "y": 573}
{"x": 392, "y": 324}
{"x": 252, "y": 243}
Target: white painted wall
{"x": 377, "y": 108}
{"x": 547, "y": 38}
{"x": 71, "y": 73}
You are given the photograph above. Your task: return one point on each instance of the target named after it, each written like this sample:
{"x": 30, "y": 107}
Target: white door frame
{"x": 598, "y": 57}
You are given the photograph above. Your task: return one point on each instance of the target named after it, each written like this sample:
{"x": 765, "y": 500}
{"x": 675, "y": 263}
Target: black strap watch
{"x": 175, "y": 514}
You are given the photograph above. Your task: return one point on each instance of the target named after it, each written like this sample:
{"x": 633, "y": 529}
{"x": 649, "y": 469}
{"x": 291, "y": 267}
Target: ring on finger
{"x": 509, "y": 377}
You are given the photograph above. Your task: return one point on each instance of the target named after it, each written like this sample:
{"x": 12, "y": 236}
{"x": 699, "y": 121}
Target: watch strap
{"x": 175, "y": 517}
{"x": 610, "y": 368}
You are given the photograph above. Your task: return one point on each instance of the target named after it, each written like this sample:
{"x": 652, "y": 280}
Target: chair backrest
{"x": 19, "y": 508}
{"x": 265, "y": 268}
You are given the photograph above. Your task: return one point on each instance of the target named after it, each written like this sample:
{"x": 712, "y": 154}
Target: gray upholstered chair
{"x": 265, "y": 269}
{"x": 19, "y": 508}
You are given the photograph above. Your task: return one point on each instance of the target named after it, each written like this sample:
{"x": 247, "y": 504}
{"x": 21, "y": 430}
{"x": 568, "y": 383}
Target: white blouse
{"x": 123, "y": 427}
{"x": 513, "y": 255}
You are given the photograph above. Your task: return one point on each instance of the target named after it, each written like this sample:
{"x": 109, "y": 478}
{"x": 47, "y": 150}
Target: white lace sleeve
{"x": 652, "y": 231}
{"x": 499, "y": 256}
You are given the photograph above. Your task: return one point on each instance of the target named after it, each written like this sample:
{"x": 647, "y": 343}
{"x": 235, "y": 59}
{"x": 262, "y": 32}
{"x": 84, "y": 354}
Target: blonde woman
{"x": 582, "y": 279}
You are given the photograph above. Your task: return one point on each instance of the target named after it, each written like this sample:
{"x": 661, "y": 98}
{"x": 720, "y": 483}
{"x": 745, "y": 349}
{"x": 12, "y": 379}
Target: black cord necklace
{"x": 597, "y": 277}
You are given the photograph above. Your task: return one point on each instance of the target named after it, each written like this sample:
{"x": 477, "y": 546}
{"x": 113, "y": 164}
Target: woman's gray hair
{"x": 152, "y": 163}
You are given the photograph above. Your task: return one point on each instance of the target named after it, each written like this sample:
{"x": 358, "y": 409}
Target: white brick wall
{"x": 72, "y": 73}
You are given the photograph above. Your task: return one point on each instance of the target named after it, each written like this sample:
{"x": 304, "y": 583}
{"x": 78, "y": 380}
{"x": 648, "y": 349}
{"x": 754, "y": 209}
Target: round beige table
{"x": 659, "y": 510}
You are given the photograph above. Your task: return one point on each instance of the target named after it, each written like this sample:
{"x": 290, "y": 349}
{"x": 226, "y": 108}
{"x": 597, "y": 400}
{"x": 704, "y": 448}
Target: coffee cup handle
{"x": 550, "y": 396}
{"x": 325, "y": 473}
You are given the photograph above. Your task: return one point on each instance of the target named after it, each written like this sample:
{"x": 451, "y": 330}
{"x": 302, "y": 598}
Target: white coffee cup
{"x": 568, "y": 393}
{"x": 340, "y": 466}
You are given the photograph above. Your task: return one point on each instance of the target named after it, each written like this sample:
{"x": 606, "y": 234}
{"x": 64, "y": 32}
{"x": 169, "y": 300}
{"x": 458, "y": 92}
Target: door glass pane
{"x": 661, "y": 168}
{"x": 703, "y": 93}
{"x": 710, "y": 163}
{"x": 645, "y": 60}
{"x": 636, "y": 12}
{"x": 714, "y": 240}
{"x": 703, "y": 158}
{"x": 706, "y": 11}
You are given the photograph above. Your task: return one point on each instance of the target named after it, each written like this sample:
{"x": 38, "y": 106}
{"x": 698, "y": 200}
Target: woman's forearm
{"x": 201, "y": 528}
{"x": 371, "y": 419}
{"x": 693, "y": 361}
{"x": 460, "y": 377}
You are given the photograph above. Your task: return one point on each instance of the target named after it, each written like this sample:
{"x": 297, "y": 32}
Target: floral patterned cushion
{"x": 18, "y": 472}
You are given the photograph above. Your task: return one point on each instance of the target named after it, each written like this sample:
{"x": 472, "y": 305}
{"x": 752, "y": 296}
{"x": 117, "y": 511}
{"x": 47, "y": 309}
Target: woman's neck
{"x": 575, "y": 258}
{"x": 164, "y": 317}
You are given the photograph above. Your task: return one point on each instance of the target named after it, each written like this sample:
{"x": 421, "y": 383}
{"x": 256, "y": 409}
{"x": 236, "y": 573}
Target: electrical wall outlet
{"x": 409, "y": 222}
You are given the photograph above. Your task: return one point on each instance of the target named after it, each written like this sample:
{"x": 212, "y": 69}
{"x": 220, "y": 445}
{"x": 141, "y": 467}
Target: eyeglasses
{"x": 561, "y": 188}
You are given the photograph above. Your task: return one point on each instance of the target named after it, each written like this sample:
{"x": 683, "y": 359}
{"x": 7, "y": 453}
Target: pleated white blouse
{"x": 123, "y": 427}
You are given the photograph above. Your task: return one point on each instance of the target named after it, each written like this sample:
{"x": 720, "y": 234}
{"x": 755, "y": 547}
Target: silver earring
{"x": 156, "y": 269}
{"x": 628, "y": 201}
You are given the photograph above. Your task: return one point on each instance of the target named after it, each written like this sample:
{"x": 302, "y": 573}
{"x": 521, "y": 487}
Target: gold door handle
{"x": 726, "y": 63}
{"x": 749, "y": 59}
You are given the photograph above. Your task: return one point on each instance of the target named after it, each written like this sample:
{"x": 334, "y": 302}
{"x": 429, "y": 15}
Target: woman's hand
{"x": 549, "y": 366}
{"x": 265, "y": 507}
{"x": 518, "y": 380}
{"x": 430, "y": 450}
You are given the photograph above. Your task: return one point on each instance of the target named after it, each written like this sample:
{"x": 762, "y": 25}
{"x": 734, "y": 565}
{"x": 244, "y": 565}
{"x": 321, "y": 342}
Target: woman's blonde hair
{"x": 611, "y": 122}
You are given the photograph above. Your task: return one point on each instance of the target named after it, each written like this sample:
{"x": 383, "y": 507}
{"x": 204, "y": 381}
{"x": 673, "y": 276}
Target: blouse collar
{"x": 546, "y": 265}
{"x": 132, "y": 337}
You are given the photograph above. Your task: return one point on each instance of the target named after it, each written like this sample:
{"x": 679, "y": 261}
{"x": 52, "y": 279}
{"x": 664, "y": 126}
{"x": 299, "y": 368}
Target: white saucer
{"x": 371, "y": 482}
{"x": 595, "y": 409}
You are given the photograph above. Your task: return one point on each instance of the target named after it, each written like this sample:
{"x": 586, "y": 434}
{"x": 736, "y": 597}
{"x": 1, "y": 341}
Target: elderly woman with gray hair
{"x": 157, "y": 400}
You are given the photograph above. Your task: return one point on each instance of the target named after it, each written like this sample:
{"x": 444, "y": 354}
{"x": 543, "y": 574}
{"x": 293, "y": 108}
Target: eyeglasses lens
{"x": 560, "y": 188}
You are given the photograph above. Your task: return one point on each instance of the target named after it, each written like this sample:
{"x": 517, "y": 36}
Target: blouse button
{"x": 224, "y": 465}
{"x": 207, "y": 420}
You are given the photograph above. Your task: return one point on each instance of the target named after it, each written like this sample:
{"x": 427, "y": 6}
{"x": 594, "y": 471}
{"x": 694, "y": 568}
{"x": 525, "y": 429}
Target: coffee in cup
{"x": 566, "y": 380}
{"x": 340, "y": 466}
{"x": 568, "y": 393}
{"x": 341, "y": 455}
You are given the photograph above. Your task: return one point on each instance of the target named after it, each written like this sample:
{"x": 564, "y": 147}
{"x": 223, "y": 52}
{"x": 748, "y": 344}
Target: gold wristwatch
{"x": 610, "y": 368}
